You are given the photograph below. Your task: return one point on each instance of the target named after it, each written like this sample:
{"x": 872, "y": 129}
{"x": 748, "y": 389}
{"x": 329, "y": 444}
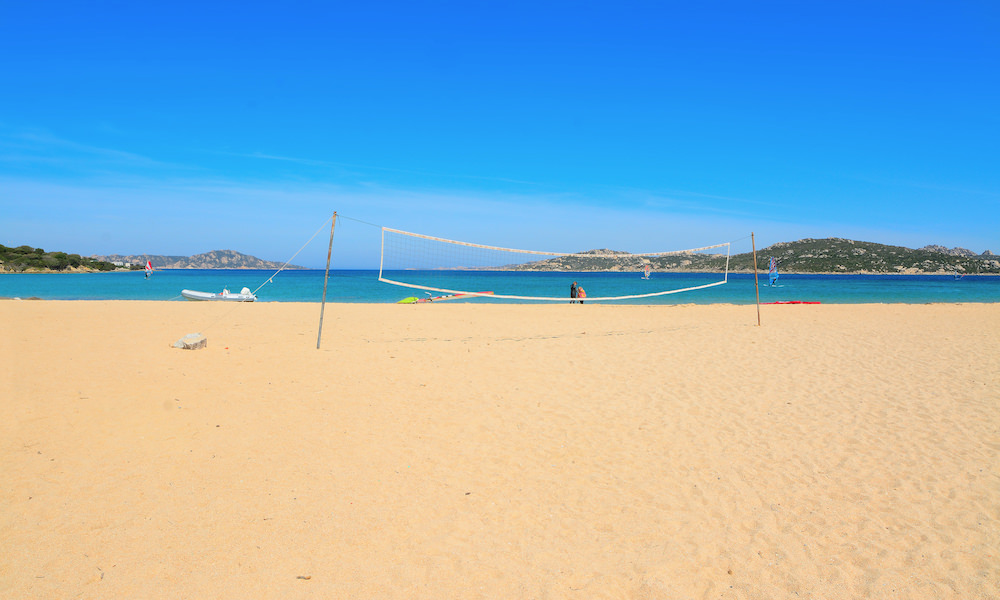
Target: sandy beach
{"x": 499, "y": 451}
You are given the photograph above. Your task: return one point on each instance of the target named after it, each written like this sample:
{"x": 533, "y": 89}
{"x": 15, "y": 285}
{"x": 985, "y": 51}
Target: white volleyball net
{"x": 435, "y": 264}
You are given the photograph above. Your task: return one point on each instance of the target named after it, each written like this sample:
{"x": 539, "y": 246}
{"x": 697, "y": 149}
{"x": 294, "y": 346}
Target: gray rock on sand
{"x": 192, "y": 341}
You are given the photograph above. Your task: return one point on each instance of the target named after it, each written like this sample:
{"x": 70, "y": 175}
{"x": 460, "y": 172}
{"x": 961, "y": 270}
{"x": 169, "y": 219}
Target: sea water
{"x": 364, "y": 286}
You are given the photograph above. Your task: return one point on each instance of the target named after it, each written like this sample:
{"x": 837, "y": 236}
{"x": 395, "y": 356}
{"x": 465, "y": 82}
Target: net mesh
{"x": 452, "y": 267}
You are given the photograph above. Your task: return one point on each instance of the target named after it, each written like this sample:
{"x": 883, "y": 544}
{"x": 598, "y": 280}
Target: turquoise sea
{"x": 364, "y": 286}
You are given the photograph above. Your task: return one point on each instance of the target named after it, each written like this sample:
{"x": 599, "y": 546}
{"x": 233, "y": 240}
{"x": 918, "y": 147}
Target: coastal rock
{"x": 192, "y": 341}
{"x": 952, "y": 252}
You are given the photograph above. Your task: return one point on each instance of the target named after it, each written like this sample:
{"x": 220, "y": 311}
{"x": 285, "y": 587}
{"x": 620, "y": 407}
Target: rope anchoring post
{"x": 326, "y": 278}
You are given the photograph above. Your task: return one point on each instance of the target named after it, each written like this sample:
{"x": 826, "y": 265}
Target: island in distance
{"x": 830, "y": 255}
{"x": 216, "y": 259}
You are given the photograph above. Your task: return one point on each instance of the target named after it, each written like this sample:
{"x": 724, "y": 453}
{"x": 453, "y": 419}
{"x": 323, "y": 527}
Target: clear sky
{"x": 182, "y": 127}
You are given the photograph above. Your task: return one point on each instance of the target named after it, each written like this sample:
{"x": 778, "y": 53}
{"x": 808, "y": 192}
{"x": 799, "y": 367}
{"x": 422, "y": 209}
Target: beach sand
{"x": 499, "y": 451}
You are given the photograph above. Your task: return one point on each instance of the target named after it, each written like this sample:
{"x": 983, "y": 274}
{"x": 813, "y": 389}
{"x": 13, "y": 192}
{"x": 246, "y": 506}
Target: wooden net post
{"x": 326, "y": 278}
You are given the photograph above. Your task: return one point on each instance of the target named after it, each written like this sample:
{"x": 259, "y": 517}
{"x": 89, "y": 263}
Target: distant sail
{"x": 646, "y": 270}
{"x": 772, "y": 271}
{"x": 149, "y": 268}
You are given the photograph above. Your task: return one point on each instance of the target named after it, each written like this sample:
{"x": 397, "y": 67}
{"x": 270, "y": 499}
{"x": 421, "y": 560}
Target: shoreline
{"x": 535, "y": 305}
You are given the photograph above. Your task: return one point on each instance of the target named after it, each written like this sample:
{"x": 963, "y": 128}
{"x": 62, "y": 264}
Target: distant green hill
{"x": 836, "y": 255}
{"x": 28, "y": 259}
{"x": 831, "y": 255}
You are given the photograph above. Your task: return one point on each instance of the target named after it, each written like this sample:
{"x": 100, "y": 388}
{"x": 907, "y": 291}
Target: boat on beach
{"x": 225, "y": 295}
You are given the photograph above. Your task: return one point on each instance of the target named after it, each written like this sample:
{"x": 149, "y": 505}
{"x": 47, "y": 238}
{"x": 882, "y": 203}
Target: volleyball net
{"x": 436, "y": 264}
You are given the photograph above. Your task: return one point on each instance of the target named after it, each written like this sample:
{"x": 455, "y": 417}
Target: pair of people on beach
{"x": 576, "y": 293}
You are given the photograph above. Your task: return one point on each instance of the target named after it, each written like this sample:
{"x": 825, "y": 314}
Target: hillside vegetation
{"x": 835, "y": 255}
{"x": 28, "y": 259}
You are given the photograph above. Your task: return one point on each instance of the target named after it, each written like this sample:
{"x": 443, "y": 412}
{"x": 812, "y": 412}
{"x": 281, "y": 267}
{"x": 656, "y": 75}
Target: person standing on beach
{"x": 580, "y": 294}
{"x": 572, "y": 293}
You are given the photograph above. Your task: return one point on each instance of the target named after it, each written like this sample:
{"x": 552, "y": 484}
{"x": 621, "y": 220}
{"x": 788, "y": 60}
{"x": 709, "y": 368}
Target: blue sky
{"x": 177, "y": 128}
